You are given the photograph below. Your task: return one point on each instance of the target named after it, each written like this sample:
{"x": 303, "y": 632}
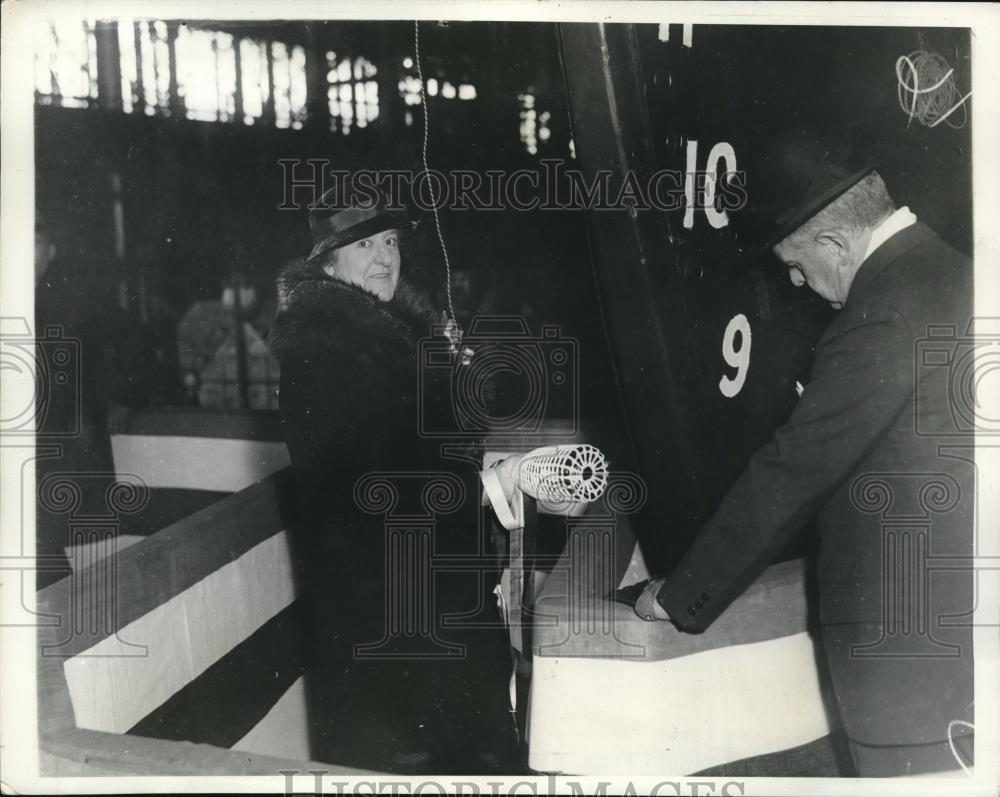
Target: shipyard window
{"x": 352, "y": 91}
{"x": 66, "y": 63}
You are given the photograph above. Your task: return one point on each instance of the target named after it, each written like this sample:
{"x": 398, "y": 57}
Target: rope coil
{"x": 926, "y": 90}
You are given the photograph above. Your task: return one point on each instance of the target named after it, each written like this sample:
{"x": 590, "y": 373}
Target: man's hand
{"x": 647, "y": 607}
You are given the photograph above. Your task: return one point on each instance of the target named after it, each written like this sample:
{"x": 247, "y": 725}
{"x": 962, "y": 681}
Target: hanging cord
{"x": 434, "y": 207}
{"x": 930, "y": 81}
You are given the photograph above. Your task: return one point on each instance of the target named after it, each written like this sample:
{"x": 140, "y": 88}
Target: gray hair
{"x": 861, "y": 207}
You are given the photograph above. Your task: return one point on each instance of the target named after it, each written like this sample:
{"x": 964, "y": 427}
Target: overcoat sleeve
{"x": 862, "y": 379}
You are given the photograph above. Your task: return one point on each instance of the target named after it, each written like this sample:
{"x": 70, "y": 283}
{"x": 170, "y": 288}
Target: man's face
{"x": 821, "y": 265}
{"x": 371, "y": 263}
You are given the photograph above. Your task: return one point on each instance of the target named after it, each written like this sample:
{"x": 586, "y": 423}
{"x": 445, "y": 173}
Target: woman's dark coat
{"x": 353, "y": 393}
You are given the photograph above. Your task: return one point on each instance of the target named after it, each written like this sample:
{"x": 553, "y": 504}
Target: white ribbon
{"x": 511, "y": 515}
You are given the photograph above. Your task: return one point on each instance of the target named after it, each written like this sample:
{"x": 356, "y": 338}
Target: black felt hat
{"x": 791, "y": 179}
{"x": 350, "y": 211}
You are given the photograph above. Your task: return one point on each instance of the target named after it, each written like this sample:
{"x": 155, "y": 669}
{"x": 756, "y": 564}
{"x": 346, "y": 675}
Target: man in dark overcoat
{"x": 878, "y": 450}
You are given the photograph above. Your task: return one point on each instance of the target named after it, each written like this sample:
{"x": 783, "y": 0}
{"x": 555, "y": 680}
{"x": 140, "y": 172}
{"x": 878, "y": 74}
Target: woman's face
{"x": 371, "y": 263}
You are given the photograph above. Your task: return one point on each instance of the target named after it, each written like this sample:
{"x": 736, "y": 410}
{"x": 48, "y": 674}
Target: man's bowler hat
{"x": 791, "y": 179}
{"x": 350, "y": 211}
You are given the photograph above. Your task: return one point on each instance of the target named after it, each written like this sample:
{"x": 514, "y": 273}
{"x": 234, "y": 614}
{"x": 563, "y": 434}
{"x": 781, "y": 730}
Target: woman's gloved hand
{"x": 507, "y": 472}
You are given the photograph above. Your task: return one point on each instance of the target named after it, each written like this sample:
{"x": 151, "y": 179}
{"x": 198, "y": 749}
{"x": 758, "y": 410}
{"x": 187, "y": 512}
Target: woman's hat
{"x": 791, "y": 179}
{"x": 349, "y": 212}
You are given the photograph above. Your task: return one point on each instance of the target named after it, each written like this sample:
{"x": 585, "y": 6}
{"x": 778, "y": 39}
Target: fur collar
{"x": 313, "y": 306}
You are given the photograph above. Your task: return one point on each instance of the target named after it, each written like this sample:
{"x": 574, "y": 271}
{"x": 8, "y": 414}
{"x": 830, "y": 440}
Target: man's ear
{"x": 837, "y": 244}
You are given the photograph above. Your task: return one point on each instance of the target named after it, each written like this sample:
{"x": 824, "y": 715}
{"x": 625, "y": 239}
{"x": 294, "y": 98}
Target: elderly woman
{"x": 412, "y": 661}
